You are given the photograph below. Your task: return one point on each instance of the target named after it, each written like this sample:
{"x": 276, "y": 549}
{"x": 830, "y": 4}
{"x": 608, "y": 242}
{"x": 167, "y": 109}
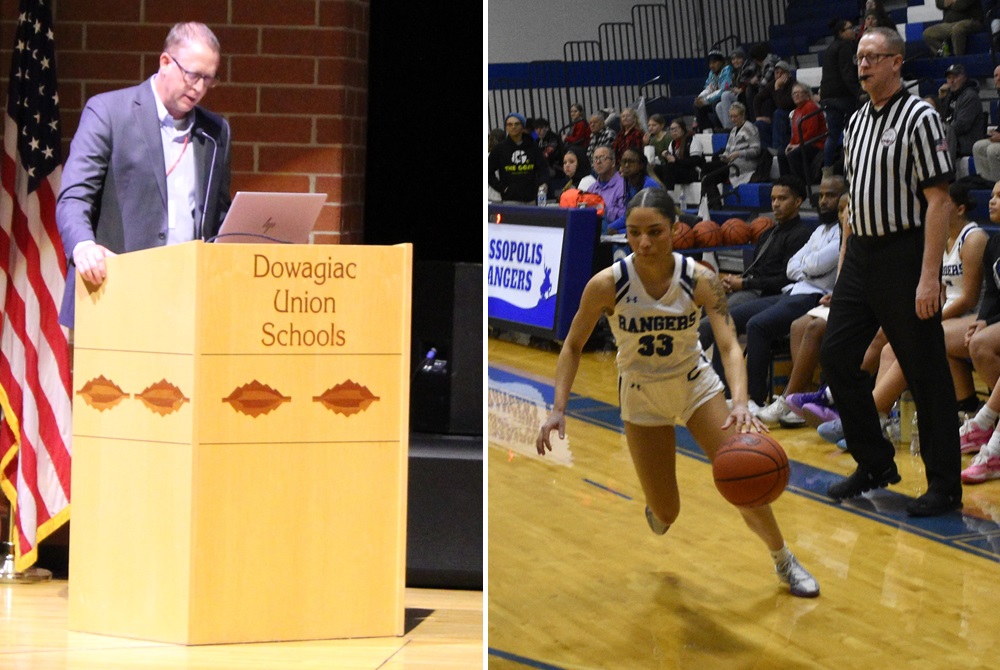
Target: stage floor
{"x": 444, "y": 630}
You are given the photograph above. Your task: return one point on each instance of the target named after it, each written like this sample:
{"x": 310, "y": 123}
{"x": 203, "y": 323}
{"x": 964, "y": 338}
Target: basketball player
{"x": 653, "y": 300}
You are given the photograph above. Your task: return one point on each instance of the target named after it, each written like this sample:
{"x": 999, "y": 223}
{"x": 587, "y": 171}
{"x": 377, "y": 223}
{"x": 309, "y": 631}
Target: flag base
{"x": 8, "y": 575}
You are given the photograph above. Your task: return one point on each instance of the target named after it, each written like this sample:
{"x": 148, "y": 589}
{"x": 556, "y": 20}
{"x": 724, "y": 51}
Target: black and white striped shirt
{"x": 890, "y": 156}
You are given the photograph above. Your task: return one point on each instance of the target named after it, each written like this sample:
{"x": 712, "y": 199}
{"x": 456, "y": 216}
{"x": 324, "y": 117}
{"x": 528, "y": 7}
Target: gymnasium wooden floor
{"x": 444, "y": 630}
{"x": 576, "y": 580}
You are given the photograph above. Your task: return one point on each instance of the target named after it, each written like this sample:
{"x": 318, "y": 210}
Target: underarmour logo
{"x": 631, "y": 298}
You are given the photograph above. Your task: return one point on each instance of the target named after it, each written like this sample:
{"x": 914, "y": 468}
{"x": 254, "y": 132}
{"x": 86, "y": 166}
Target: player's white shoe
{"x": 799, "y": 581}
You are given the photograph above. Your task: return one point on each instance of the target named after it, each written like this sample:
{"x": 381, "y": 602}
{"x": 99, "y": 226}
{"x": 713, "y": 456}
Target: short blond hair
{"x": 186, "y": 33}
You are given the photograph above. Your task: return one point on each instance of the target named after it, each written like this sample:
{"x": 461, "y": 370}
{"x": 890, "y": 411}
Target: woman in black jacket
{"x": 681, "y": 159}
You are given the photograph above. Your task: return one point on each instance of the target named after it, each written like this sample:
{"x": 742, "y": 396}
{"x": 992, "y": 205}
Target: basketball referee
{"x": 898, "y": 168}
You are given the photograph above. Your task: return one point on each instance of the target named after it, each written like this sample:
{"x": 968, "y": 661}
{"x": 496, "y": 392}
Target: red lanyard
{"x": 183, "y": 149}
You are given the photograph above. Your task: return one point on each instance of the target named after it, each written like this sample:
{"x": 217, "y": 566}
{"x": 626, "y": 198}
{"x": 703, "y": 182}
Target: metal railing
{"x": 807, "y": 168}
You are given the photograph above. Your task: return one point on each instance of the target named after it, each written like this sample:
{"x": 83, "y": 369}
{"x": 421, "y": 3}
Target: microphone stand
{"x": 8, "y": 574}
{"x": 200, "y": 132}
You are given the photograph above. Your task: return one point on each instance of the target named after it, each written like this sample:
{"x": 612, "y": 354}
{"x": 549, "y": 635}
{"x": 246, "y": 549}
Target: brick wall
{"x": 294, "y": 85}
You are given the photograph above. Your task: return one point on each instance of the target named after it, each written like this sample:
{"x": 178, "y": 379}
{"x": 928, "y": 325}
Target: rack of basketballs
{"x": 706, "y": 234}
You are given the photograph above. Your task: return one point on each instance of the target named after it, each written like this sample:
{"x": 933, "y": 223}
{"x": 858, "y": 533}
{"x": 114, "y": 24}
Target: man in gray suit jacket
{"x": 147, "y": 167}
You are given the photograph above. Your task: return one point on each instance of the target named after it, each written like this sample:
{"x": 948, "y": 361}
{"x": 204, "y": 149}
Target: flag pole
{"x": 8, "y": 575}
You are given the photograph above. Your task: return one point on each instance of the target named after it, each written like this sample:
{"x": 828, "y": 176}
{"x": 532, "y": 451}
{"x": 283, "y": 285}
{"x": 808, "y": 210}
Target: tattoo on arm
{"x": 719, "y": 303}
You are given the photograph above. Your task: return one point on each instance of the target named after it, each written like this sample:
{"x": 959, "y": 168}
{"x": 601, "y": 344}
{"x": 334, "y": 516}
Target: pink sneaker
{"x": 972, "y": 437}
{"x": 984, "y": 468}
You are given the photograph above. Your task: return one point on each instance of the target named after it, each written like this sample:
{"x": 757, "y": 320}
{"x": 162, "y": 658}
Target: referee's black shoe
{"x": 934, "y": 503}
{"x": 862, "y": 480}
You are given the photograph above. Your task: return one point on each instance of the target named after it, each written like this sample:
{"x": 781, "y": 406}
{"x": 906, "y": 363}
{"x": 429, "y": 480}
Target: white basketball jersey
{"x": 656, "y": 338}
{"x": 951, "y": 267}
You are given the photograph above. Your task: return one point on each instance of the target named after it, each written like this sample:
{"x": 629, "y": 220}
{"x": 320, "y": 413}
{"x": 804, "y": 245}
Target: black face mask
{"x": 827, "y": 217}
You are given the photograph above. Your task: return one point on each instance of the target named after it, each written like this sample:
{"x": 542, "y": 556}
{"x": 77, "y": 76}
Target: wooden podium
{"x": 240, "y": 435}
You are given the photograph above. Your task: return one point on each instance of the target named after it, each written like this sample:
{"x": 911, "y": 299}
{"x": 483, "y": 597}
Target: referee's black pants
{"x": 877, "y": 286}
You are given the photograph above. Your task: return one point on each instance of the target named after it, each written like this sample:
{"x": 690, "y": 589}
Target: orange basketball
{"x": 758, "y": 226}
{"x": 735, "y": 231}
{"x": 683, "y": 236}
{"x": 707, "y": 234}
{"x": 750, "y": 469}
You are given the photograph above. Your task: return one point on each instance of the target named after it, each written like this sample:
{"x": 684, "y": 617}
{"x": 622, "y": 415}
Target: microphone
{"x": 200, "y": 132}
{"x": 429, "y": 357}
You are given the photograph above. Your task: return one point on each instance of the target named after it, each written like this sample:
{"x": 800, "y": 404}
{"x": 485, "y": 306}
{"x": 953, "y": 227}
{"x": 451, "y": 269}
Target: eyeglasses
{"x": 598, "y": 159}
{"x": 628, "y": 161}
{"x": 871, "y": 59}
{"x": 192, "y": 78}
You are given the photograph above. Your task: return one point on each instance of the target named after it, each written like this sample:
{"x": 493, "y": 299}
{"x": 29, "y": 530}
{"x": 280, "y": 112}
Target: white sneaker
{"x": 799, "y": 581}
{"x": 773, "y": 412}
{"x": 791, "y": 420}
{"x": 753, "y": 407}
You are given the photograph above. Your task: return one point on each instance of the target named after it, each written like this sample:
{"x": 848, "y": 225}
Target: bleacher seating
{"x": 803, "y": 38}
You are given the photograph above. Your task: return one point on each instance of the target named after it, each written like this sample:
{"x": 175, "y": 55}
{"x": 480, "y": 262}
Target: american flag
{"x": 35, "y": 384}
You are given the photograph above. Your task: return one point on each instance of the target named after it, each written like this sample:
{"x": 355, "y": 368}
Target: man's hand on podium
{"x": 89, "y": 261}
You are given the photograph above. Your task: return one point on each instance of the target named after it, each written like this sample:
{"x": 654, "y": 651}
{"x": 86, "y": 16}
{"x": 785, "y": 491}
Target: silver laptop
{"x": 262, "y": 218}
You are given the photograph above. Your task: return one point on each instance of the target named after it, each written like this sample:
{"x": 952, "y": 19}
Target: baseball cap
{"x": 783, "y": 65}
{"x": 715, "y": 54}
{"x": 955, "y": 68}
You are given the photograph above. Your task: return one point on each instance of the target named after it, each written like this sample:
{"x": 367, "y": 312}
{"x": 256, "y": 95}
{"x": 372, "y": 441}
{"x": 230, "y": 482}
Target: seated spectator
{"x": 631, "y": 134}
{"x": 600, "y": 135}
{"x": 765, "y": 279}
{"x": 576, "y": 168}
{"x": 656, "y": 137}
{"x": 609, "y": 185}
{"x": 773, "y": 105}
{"x": 579, "y": 133}
{"x": 813, "y": 270}
{"x": 516, "y": 166}
{"x": 986, "y": 152}
{"x": 876, "y": 16}
{"x": 766, "y": 273}
{"x": 961, "y": 110}
{"x": 737, "y": 162}
{"x": 682, "y": 157}
{"x": 744, "y": 71}
{"x": 550, "y": 144}
{"x": 763, "y": 62}
{"x": 806, "y": 332}
{"x": 636, "y": 171}
{"x": 961, "y": 18}
{"x": 802, "y": 149}
{"x": 709, "y": 108}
